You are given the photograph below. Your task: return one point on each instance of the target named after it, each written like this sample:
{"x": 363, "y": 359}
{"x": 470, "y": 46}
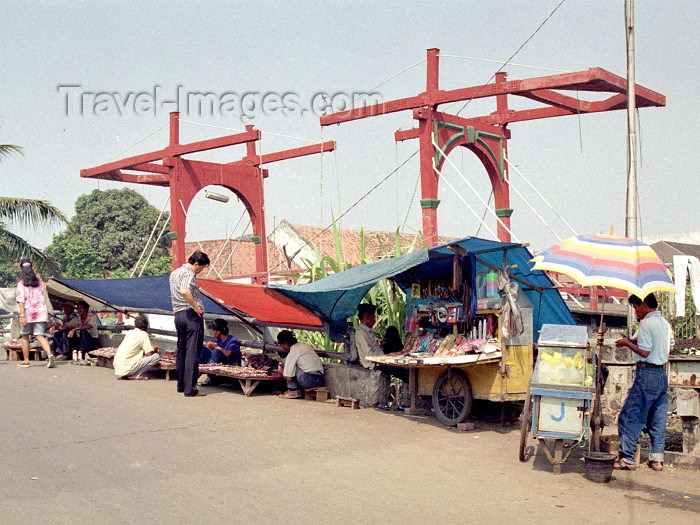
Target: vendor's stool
{"x": 351, "y": 402}
{"x": 318, "y": 394}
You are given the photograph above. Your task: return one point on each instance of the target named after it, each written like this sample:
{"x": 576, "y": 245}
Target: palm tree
{"x": 25, "y": 212}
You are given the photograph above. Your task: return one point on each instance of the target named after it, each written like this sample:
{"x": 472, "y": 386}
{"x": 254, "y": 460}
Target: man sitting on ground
{"x": 61, "y": 346}
{"x": 84, "y": 326}
{"x": 226, "y": 350}
{"x": 135, "y": 355}
{"x": 302, "y": 367}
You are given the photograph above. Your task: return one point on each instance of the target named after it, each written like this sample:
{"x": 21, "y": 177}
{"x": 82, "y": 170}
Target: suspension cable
{"x": 540, "y": 195}
{"x": 133, "y": 271}
{"x": 223, "y": 247}
{"x": 454, "y": 166}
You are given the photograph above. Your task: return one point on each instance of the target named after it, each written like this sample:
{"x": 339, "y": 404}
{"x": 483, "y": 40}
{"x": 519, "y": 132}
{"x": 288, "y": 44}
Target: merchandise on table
{"x": 235, "y": 371}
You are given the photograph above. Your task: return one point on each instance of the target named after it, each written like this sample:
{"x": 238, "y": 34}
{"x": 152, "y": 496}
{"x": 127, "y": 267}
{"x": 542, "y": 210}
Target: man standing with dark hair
{"x": 189, "y": 324}
{"x": 647, "y": 402}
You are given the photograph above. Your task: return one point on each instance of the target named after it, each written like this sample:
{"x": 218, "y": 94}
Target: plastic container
{"x": 492, "y": 284}
{"x": 599, "y": 466}
{"x": 560, "y": 366}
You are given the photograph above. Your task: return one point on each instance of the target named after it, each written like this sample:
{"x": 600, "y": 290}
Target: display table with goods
{"x": 248, "y": 377}
{"x": 559, "y": 398}
{"x": 105, "y": 357}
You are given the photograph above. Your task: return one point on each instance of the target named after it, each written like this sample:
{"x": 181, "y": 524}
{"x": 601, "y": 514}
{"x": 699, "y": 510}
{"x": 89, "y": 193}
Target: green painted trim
{"x": 437, "y": 157}
{"x": 256, "y": 239}
{"x": 499, "y": 165}
{"x": 429, "y": 203}
{"x": 489, "y": 135}
{"x": 474, "y": 136}
{"x": 171, "y": 236}
{"x": 504, "y": 212}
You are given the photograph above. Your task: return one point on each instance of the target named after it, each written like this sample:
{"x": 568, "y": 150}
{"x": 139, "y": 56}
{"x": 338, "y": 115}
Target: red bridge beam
{"x": 175, "y": 150}
{"x": 590, "y": 80}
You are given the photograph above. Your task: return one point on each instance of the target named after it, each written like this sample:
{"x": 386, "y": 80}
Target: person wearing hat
{"x": 367, "y": 344}
{"x": 302, "y": 366}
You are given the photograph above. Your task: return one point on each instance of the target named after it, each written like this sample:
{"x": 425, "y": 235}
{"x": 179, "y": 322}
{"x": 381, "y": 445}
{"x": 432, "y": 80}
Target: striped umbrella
{"x": 608, "y": 260}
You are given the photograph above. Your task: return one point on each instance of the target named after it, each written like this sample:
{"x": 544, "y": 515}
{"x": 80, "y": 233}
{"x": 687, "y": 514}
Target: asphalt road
{"x": 78, "y": 446}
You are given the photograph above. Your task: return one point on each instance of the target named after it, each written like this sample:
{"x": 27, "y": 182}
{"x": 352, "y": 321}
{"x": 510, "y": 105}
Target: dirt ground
{"x": 78, "y": 446}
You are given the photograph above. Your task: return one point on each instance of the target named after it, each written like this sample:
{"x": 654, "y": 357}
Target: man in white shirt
{"x": 135, "y": 355}
{"x": 302, "y": 367}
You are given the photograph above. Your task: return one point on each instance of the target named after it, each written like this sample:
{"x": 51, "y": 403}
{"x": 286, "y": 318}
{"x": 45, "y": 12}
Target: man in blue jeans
{"x": 647, "y": 402}
{"x": 302, "y": 367}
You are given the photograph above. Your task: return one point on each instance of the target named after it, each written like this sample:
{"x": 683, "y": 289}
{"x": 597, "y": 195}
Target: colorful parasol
{"x": 610, "y": 261}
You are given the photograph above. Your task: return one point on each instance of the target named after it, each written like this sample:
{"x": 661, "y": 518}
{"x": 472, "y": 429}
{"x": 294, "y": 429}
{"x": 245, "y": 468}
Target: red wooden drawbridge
{"x": 487, "y": 136}
{"x": 186, "y": 178}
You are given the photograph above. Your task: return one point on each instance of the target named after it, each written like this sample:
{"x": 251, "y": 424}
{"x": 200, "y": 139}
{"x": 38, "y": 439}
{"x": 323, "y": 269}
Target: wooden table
{"x": 14, "y": 351}
{"x": 248, "y": 381}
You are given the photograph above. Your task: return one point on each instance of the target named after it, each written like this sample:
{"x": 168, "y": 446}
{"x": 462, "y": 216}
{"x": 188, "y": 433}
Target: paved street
{"x": 78, "y": 446}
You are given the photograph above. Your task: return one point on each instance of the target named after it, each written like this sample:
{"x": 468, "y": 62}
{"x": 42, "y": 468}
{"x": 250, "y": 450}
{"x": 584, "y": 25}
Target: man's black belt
{"x": 642, "y": 364}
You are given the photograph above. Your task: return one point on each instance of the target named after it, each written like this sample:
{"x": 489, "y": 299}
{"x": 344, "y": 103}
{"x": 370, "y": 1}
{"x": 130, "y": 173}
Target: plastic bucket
{"x": 599, "y": 466}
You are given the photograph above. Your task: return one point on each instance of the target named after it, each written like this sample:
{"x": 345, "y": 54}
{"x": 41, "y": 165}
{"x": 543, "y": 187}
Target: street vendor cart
{"x": 559, "y": 397}
{"x": 489, "y": 367}
{"x": 473, "y": 309}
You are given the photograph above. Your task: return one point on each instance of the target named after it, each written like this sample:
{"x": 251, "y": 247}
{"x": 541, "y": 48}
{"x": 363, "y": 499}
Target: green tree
{"x": 26, "y": 213}
{"x": 77, "y": 256}
{"x": 107, "y": 235}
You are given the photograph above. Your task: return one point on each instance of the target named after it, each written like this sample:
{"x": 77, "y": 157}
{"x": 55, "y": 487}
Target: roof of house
{"x": 666, "y": 250}
{"x": 236, "y": 257}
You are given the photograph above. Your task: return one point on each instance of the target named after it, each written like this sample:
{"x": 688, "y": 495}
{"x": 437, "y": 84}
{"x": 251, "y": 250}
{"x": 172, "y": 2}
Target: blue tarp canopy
{"x": 142, "y": 294}
{"x": 335, "y": 298}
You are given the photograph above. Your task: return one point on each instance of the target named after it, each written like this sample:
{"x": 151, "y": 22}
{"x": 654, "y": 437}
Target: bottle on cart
{"x": 75, "y": 356}
{"x": 244, "y": 360}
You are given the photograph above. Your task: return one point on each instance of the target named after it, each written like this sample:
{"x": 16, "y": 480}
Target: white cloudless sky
{"x": 125, "y": 48}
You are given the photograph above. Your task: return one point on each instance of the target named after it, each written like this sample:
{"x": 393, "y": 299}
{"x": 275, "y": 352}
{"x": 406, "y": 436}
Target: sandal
{"x": 623, "y": 464}
{"x": 658, "y": 466}
{"x": 24, "y": 364}
{"x": 138, "y": 378}
{"x": 291, "y": 394}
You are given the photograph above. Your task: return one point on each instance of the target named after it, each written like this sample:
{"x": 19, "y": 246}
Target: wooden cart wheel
{"x": 452, "y": 397}
{"x": 525, "y": 423}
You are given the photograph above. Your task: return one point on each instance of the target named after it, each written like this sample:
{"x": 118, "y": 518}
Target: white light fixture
{"x": 215, "y": 196}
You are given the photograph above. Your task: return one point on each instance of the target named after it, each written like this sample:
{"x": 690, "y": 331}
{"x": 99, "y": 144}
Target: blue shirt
{"x": 230, "y": 343}
{"x": 655, "y": 336}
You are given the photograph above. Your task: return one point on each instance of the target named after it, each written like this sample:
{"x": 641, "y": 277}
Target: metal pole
{"x": 632, "y": 198}
{"x": 631, "y": 214}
